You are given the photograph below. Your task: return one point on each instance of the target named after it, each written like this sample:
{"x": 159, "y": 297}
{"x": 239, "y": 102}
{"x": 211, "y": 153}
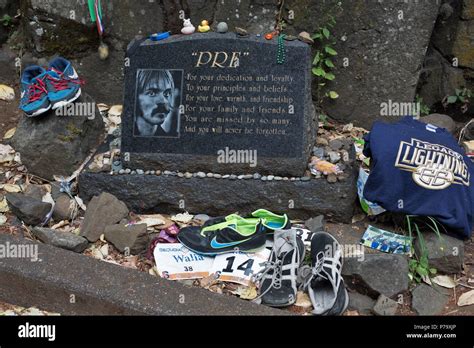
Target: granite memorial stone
{"x": 218, "y": 103}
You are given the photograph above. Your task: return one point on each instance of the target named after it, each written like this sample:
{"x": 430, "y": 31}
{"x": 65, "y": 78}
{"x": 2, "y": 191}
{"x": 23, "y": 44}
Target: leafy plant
{"x": 419, "y": 268}
{"x": 6, "y": 20}
{"x": 424, "y": 109}
{"x": 324, "y": 119}
{"x": 461, "y": 96}
{"x": 323, "y": 63}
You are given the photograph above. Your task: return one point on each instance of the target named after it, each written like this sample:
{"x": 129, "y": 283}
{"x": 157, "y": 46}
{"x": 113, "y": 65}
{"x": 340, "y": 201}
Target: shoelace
{"x": 276, "y": 267}
{"x": 316, "y": 271}
{"x": 63, "y": 82}
{"x": 36, "y": 90}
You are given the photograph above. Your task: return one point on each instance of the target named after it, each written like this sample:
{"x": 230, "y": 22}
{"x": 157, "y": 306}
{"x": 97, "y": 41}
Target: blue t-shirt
{"x": 420, "y": 169}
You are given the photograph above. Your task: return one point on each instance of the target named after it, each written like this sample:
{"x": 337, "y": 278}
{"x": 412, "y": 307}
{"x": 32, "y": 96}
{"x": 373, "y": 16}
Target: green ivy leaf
{"x": 319, "y": 71}
{"x": 326, "y": 33}
{"x": 329, "y": 63}
{"x": 317, "y": 36}
{"x": 422, "y": 271}
{"x": 333, "y": 95}
{"x": 452, "y": 99}
{"x": 329, "y": 76}
{"x": 330, "y": 50}
{"x": 433, "y": 270}
{"x": 317, "y": 58}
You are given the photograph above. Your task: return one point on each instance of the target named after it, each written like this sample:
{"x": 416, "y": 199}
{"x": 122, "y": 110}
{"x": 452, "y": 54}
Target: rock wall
{"x": 383, "y": 45}
{"x": 449, "y": 63}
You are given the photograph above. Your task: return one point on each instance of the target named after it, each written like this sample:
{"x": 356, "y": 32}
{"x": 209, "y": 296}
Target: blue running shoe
{"x": 64, "y": 85}
{"x": 34, "y": 93}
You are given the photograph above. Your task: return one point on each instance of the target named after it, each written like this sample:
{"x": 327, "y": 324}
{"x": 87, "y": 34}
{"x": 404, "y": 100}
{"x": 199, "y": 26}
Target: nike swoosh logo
{"x": 216, "y": 245}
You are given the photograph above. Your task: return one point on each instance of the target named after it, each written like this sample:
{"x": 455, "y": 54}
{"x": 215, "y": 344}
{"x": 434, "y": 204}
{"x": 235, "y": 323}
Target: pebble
{"x": 241, "y": 31}
{"x": 285, "y": 179}
{"x": 334, "y": 156}
{"x": 305, "y": 178}
{"x": 263, "y": 178}
{"x": 318, "y": 152}
{"x": 158, "y": 172}
{"x": 147, "y": 172}
{"x": 222, "y": 27}
{"x": 167, "y": 172}
{"x": 335, "y": 144}
{"x": 181, "y": 175}
{"x": 122, "y": 171}
{"x": 128, "y": 171}
{"x": 278, "y": 178}
{"x": 257, "y": 176}
{"x": 297, "y": 179}
{"x": 233, "y": 177}
{"x": 217, "y": 176}
{"x": 342, "y": 178}
{"x": 322, "y": 141}
{"x": 248, "y": 176}
{"x": 292, "y": 179}
{"x": 188, "y": 175}
{"x": 133, "y": 172}
{"x": 152, "y": 172}
{"x": 270, "y": 177}
{"x": 210, "y": 175}
{"x": 240, "y": 177}
{"x": 226, "y": 176}
{"x": 201, "y": 174}
{"x": 305, "y": 37}
{"x": 332, "y": 178}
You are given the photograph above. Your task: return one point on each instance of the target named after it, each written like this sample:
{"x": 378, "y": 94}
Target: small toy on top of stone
{"x": 188, "y": 27}
{"x": 204, "y": 27}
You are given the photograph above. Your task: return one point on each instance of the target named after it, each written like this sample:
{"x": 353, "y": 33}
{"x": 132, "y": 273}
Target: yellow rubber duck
{"x": 204, "y": 27}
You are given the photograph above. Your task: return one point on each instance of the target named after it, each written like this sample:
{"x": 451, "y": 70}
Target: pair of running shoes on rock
{"x": 283, "y": 274}
{"x": 43, "y": 89}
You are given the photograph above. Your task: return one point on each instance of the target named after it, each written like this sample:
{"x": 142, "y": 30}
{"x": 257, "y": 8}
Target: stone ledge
{"x": 151, "y": 193}
{"x": 101, "y": 288}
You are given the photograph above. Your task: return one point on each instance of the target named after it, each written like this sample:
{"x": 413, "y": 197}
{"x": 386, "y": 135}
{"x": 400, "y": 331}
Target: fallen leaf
{"x": 47, "y": 198}
{"x": 115, "y": 110}
{"x": 60, "y": 224}
{"x": 182, "y": 217}
{"x": 466, "y": 299}
{"x": 7, "y": 154}
{"x": 32, "y": 311}
{"x": 444, "y": 281}
{"x": 303, "y": 300}
{"x": 104, "y": 249}
{"x": 9, "y": 133}
{"x": 4, "y": 206}
{"x": 426, "y": 279}
{"x": 357, "y": 218}
{"x": 208, "y": 281}
{"x": 152, "y": 271}
{"x": 3, "y": 219}
{"x": 12, "y": 188}
{"x": 247, "y": 292}
{"x": 6, "y": 93}
{"x": 152, "y": 220}
{"x": 80, "y": 203}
